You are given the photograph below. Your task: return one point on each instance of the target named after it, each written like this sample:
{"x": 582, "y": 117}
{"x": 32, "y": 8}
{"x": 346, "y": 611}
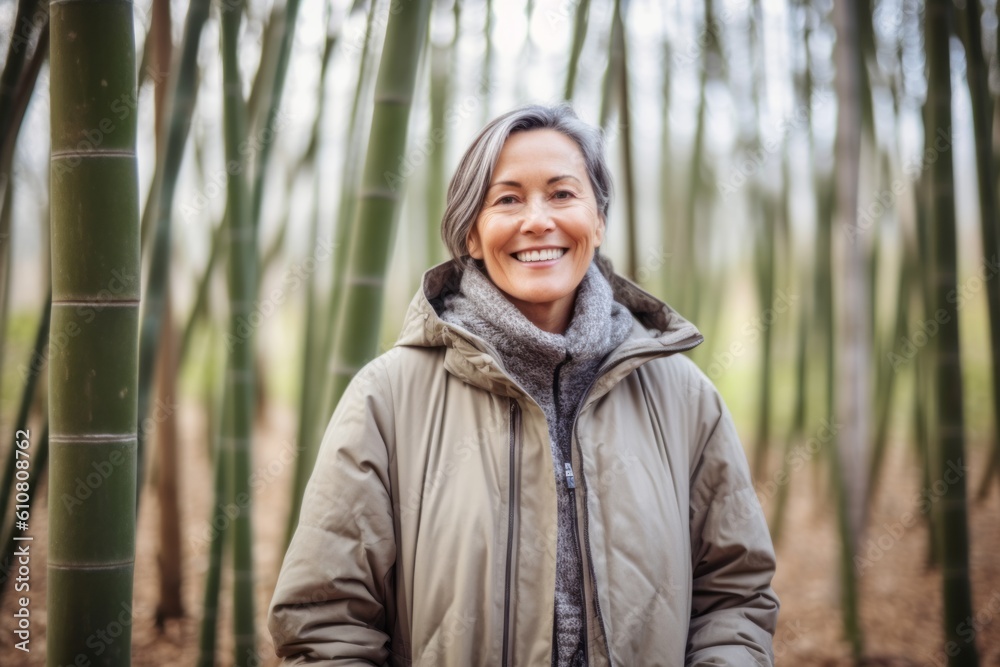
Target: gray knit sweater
{"x": 555, "y": 370}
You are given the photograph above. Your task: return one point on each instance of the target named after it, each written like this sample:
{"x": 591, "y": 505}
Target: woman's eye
{"x": 506, "y": 199}
{"x": 563, "y": 194}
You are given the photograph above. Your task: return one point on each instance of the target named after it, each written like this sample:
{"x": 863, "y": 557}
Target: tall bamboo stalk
{"x": 982, "y": 115}
{"x": 850, "y": 468}
{"x": 321, "y": 388}
{"x": 95, "y": 292}
{"x": 954, "y": 524}
{"x": 158, "y": 212}
{"x": 378, "y": 204}
{"x": 242, "y": 280}
{"x": 14, "y": 104}
{"x": 579, "y": 36}
{"x": 311, "y": 370}
{"x": 272, "y": 101}
{"x": 208, "y": 631}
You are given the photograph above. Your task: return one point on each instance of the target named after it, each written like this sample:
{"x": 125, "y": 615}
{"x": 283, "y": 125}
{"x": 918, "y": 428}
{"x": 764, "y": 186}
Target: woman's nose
{"x": 537, "y": 218}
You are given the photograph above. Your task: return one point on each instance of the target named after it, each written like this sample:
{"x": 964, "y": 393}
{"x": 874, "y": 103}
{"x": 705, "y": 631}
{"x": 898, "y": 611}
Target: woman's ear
{"x": 473, "y": 244}
{"x": 599, "y": 232}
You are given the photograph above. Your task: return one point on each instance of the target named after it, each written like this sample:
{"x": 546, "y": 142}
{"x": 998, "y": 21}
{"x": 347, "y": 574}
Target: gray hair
{"x": 468, "y": 186}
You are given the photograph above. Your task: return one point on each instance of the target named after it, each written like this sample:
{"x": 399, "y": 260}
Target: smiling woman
{"x": 539, "y": 226}
{"x": 533, "y": 475}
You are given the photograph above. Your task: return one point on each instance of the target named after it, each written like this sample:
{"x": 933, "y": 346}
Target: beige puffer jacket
{"x": 428, "y": 528}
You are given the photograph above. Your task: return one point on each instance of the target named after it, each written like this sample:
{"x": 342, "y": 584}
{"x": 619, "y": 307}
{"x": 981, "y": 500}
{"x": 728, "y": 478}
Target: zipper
{"x": 586, "y": 513}
{"x": 510, "y": 531}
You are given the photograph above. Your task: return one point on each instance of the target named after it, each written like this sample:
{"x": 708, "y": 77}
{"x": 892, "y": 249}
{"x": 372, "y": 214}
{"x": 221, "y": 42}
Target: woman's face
{"x": 538, "y": 227}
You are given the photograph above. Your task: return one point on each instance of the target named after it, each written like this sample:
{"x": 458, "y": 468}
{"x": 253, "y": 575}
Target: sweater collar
{"x": 657, "y": 330}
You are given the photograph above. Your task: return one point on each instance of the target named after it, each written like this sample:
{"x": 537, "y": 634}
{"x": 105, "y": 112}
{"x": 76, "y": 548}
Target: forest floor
{"x": 900, "y": 596}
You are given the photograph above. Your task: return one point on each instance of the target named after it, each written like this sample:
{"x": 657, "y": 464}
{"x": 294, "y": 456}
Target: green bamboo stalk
{"x": 982, "y": 114}
{"x": 579, "y": 36}
{"x": 625, "y": 125}
{"x": 321, "y": 387}
{"x": 95, "y": 292}
{"x": 687, "y": 271}
{"x": 887, "y": 370}
{"x": 308, "y": 401}
{"x": 14, "y": 64}
{"x": 378, "y": 204}
{"x": 208, "y": 632}
{"x": 15, "y": 111}
{"x": 272, "y": 101}
{"x": 954, "y": 535}
{"x": 850, "y": 466}
{"x": 239, "y": 378}
{"x": 158, "y": 212}
{"x": 200, "y": 307}
{"x": 440, "y": 93}
{"x": 666, "y": 184}
{"x": 487, "y": 74}
{"x": 764, "y": 252}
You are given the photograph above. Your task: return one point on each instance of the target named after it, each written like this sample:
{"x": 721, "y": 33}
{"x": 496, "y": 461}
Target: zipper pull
{"x": 570, "y": 480}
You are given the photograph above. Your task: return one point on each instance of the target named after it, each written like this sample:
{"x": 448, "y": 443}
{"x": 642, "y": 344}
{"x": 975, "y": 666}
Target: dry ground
{"x": 900, "y": 597}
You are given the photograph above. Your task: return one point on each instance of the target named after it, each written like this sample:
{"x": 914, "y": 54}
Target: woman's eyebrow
{"x": 511, "y": 183}
{"x": 548, "y": 182}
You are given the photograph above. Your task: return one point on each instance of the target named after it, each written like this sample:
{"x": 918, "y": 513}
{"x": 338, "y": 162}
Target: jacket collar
{"x": 657, "y": 330}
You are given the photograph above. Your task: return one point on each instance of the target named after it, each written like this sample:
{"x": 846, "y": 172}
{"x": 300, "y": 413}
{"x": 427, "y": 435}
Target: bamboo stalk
{"x": 954, "y": 525}
{"x": 158, "y": 212}
{"x": 378, "y": 205}
{"x": 238, "y": 429}
{"x": 850, "y": 467}
{"x": 982, "y": 115}
{"x": 321, "y": 387}
{"x": 272, "y": 101}
{"x": 579, "y": 36}
{"x": 308, "y": 401}
{"x": 93, "y": 378}
{"x": 208, "y": 631}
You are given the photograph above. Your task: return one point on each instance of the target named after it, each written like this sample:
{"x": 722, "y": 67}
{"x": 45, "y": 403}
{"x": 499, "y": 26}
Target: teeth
{"x": 540, "y": 255}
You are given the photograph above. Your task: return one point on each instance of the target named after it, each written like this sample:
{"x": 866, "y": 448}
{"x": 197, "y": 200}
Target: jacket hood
{"x": 656, "y": 326}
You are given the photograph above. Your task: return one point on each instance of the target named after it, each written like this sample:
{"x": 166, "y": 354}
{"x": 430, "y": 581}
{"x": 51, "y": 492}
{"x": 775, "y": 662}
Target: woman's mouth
{"x": 545, "y": 255}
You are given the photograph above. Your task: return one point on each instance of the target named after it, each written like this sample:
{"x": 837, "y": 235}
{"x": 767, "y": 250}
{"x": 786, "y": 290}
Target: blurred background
{"x": 811, "y": 183}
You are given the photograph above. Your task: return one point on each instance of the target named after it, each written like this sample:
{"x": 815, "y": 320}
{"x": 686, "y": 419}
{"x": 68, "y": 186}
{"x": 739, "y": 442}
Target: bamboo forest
{"x": 215, "y": 213}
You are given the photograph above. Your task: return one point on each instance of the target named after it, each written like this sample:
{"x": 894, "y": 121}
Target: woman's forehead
{"x": 540, "y": 150}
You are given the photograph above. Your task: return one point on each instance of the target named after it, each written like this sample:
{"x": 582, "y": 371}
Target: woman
{"x": 532, "y": 475}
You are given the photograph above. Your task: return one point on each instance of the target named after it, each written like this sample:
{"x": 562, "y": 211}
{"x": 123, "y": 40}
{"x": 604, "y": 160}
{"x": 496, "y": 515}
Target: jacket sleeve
{"x": 734, "y": 610}
{"x": 333, "y": 599}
